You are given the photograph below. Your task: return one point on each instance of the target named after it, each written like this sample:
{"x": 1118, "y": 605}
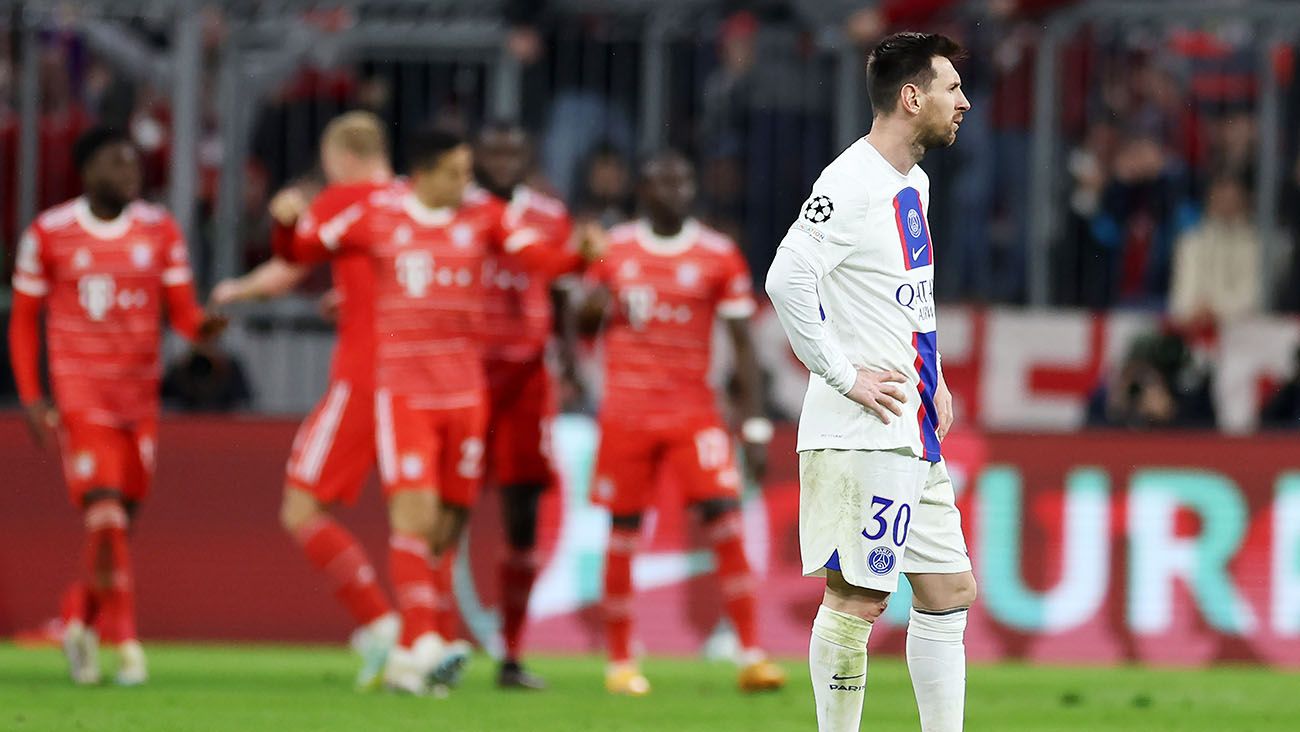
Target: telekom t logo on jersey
{"x": 98, "y": 293}
{"x": 913, "y": 232}
{"x": 95, "y": 293}
{"x": 415, "y": 272}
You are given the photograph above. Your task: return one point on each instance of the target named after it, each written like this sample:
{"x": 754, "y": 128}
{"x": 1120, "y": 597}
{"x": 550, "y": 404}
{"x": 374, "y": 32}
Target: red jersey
{"x": 354, "y": 351}
{"x": 426, "y": 266}
{"x": 518, "y": 315}
{"x": 104, "y": 284}
{"x": 658, "y": 341}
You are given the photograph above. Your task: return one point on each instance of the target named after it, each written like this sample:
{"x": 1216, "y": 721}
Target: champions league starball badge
{"x": 818, "y": 210}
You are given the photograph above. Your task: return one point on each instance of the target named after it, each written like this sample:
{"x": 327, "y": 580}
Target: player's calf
{"x": 837, "y": 652}
{"x": 517, "y": 574}
{"x": 723, "y": 529}
{"x": 936, "y": 650}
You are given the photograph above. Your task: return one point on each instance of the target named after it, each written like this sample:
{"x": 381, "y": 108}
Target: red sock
{"x": 618, "y": 593}
{"x": 334, "y": 551}
{"x": 734, "y": 577}
{"x": 77, "y": 604}
{"x": 408, "y": 567}
{"x": 518, "y": 572}
{"x": 448, "y": 617}
{"x": 109, "y": 569}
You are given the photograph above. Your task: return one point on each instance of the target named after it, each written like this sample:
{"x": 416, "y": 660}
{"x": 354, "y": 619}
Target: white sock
{"x": 837, "y": 658}
{"x": 936, "y": 659}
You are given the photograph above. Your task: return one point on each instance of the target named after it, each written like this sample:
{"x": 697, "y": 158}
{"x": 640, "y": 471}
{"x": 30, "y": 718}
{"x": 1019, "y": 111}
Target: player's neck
{"x": 104, "y": 211}
{"x": 897, "y": 144}
{"x": 666, "y": 228}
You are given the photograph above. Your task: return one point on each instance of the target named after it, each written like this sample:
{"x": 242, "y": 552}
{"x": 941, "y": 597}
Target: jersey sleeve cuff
{"x": 737, "y": 309}
{"x": 176, "y": 276}
{"x": 841, "y": 377}
{"x": 29, "y": 285}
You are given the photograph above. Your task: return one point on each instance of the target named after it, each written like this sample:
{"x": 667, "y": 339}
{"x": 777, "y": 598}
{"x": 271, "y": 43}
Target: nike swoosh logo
{"x": 846, "y": 678}
{"x": 916, "y": 253}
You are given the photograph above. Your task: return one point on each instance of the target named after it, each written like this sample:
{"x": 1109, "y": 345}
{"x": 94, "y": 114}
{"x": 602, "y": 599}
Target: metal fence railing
{"x": 1096, "y": 134}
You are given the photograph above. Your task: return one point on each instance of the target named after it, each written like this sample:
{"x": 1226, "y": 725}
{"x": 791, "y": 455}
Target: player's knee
{"x": 861, "y": 602}
{"x": 627, "y": 522}
{"x": 520, "y": 508}
{"x": 948, "y": 593}
{"x": 715, "y": 508}
{"x": 297, "y": 509}
{"x": 447, "y": 527}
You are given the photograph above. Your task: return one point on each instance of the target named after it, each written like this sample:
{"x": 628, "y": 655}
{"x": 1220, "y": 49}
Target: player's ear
{"x": 910, "y": 98}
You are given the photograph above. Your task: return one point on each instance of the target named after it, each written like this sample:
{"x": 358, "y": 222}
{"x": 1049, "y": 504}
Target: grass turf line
{"x": 286, "y": 689}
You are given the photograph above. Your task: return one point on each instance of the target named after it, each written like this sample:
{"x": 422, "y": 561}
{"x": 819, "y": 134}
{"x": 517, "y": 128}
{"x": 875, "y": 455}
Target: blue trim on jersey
{"x": 833, "y": 562}
{"x": 913, "y": 231}
{"x": 927, "y": 365}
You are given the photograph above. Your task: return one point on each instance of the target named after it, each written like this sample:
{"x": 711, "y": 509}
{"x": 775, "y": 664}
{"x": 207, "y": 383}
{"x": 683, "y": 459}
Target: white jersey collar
{"x": 99, "y": 228}
{"x": 667, "y": 246}
{"x": 424, "y": 215}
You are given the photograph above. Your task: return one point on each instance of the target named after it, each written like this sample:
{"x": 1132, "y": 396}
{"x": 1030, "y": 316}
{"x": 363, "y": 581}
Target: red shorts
{"x": 699, "y": 453}
{"x": 97, "y": 456}
{"x": 519, "y": 430}
{"x": 430, "y": 449}
{"x": 335, "y": 445}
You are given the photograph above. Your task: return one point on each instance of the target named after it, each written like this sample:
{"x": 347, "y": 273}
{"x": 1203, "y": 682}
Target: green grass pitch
{"x": 284, "y": 689}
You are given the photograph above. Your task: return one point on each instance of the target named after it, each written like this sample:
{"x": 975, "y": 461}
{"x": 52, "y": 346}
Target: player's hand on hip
{"x": 943, "y": 405}
{"x": 879, "y": 391}
{"x": 287, "y": 205}
{"x": 42, "y": 420}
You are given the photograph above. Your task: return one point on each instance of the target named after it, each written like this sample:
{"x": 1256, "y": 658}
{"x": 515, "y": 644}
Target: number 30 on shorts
{"x": 902, "y": 520}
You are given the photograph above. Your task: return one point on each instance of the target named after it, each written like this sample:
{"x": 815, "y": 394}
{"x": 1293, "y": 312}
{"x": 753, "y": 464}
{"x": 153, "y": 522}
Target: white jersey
{"x": 853, "y": 284}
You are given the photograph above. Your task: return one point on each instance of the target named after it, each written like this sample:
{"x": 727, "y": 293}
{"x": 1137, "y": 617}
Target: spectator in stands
{"x": 206, "y": 379}
{"x": 1283, "y": 410}
{"x": 606, "y": 192}
{"x": 1159, "y": 385}
{"x": 1143, "y": 208}
{"x": 1216, "y": 269}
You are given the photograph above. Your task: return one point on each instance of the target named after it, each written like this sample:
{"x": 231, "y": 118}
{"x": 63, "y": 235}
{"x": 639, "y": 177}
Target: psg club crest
{"x": 913, "y": 234}
{"x": 818, "y": 210}
{"x": 881, "y": 560}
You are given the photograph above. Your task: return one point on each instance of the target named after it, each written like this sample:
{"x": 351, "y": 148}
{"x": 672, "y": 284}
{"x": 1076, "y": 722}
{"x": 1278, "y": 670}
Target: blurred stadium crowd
{"x": 1159, "y": 132}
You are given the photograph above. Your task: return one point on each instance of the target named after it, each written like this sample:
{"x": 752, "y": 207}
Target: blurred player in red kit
{"x": 520, "y": 315}
{"x": 427, "y": 243}
{"x": 334, "y": 449}
{"x": 104, "y": 267}
{"x": 662, "y": 281}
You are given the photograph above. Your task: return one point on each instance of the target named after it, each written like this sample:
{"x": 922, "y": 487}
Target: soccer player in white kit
{"x": 853, "y": 285}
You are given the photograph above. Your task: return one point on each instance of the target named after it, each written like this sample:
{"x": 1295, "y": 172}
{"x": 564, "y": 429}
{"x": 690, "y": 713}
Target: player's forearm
{"x": 565, "y": 330}
{"x": 183, "y": 310}
{"x": 749, "y": 378}
{"x": 792, "y": 287}
{"x": 25, "y": 346}
{"x": 272, "y": 278}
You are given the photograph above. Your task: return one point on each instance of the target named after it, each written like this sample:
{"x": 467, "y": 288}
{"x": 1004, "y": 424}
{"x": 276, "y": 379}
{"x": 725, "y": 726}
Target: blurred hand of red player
{"x": 212, "y": 326}
{"x": 287, "y": 206}
{"x": 592, "y": 240}
{"x": 42, "y": 419}
{"x": 755, "y": 460}
{"x": 328, "y": 305}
